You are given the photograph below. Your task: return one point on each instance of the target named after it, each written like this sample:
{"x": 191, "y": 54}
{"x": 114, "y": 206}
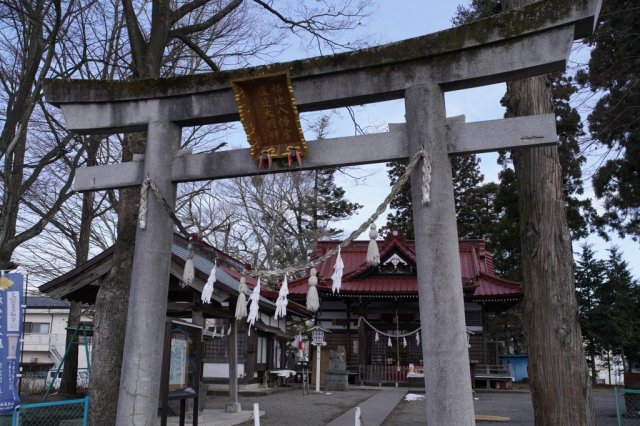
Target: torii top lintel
{"x": 521, "y": 43}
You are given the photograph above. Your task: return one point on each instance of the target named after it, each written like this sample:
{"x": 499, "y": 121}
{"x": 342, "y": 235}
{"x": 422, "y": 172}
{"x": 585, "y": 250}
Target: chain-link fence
{"x": 627, "y": 406}
{"x": 57, "y": 413}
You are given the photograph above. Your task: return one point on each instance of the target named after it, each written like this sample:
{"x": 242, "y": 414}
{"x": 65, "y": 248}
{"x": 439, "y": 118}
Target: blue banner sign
{"x": 11, "y": 300}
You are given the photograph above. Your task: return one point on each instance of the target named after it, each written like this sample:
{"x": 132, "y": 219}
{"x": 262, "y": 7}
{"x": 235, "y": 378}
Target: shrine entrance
{"x": 522, "y": 43}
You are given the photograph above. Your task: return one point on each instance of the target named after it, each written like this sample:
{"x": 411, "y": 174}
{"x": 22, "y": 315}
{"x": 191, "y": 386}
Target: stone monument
{"x": 336, "y": 377}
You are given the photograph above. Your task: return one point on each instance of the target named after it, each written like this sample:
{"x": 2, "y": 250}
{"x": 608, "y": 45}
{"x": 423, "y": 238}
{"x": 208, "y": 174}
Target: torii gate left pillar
{"x": 143, "y": 345}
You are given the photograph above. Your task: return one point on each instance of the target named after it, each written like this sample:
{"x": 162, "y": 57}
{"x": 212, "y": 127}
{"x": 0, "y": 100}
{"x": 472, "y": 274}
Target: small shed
{"x": 519, "y": 366}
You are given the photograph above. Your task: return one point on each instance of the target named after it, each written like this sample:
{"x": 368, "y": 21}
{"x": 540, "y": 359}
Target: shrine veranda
{"x": 522, "y": 43}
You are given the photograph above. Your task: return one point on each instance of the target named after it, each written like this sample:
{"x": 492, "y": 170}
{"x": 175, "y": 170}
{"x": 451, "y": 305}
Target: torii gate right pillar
{"x": 445, "y": 351}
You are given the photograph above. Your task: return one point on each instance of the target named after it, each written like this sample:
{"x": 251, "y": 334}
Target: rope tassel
{"x": 241, "y": 304}
{"x": 426, "y": 178}
{"x": 313, "y": 301}
{"x": 377, "y": 337}
{"x": 144, "y": 199}
{"x": 373, "y": 255}
{"x": 189, "y": 274}
{"x": 207, "y": 291}
{"x": 336, "y": 278}
{"x": 281, "y": 303}
{"x": 389, "y": 342}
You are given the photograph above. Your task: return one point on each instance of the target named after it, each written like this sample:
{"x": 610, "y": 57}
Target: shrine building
{"x": 386, "y": 295}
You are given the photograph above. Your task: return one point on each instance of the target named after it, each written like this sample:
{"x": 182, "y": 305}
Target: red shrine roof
{"x": 396, "y": 273}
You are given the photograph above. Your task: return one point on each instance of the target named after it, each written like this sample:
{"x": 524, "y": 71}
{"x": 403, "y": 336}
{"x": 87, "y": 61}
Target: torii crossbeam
{"x": 522, "y": 43}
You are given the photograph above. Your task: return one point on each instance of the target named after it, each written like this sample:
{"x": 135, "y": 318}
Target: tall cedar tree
{"x": 616, "y": 314}
{"x": 614, "y": 70}
{"x": 326, "y": 203}
{"x": 467, "y": 197}
{"x": 590, "y": 276}
{"x": 560, "y": 386}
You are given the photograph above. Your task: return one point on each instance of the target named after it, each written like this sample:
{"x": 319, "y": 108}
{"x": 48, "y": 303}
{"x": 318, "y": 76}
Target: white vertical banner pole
{"x": 318, "y": 347}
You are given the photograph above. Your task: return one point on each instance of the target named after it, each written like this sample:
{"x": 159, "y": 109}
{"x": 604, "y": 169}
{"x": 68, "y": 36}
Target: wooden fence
{"x": 492, "y": 375}
{"x": 382, "y": 374}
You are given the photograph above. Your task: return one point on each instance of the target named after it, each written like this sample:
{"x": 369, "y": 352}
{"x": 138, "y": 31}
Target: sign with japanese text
{"x": 269, "y": 115}
{"x": 11, "y": 300}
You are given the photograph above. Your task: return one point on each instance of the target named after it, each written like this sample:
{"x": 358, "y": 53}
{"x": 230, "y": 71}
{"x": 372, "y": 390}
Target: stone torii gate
{"x": 518, "y": 44}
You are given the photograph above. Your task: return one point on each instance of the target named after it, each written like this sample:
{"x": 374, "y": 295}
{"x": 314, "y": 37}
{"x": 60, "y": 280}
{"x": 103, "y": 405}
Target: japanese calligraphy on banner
{"x": 11, "y": 296}
{"x": 269, "y": 115}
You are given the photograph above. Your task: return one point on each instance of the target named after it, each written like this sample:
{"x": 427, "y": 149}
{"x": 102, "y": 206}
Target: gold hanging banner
{"x": 269, "y": 115}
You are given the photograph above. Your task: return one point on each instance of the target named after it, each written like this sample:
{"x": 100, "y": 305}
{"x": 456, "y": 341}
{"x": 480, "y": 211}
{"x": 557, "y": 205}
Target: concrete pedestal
{"x": 336, "y": 380}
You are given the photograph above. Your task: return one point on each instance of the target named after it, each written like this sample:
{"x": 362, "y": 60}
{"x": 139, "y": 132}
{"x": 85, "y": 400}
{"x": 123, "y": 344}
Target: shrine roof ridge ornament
{"x": 506, "y": 46}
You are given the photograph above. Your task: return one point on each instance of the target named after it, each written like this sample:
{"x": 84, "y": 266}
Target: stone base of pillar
{"x": 232, "y": 407}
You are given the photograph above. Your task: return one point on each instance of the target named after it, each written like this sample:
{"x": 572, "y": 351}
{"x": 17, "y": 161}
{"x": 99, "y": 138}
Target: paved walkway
{"x": 374, "y": 410}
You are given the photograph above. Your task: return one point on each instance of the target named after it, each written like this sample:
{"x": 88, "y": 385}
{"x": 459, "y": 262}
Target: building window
{"x": 473, "y": 318}
{"x": 261, "y": 355}
{"x": 36, "y": 327}
{"x": 216, "y": 350}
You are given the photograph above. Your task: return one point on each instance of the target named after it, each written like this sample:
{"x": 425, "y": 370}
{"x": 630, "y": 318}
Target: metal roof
{"x": 45, "y": 302}
{"x": 359, "y": 278}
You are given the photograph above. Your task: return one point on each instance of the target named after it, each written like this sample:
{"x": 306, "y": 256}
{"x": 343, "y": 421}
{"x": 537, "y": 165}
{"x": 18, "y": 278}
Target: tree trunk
{"x": 560, "y": 386}
{"x": 69, "y": 378}
{"x": 69, "y": 381}
{"x": 13, "y": 176}
{"x": 112, "y": 304}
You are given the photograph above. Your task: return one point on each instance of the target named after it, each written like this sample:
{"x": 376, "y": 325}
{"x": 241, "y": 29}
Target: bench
{"x": 499, "y": 375}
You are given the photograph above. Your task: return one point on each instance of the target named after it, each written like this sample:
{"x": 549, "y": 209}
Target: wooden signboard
{"x": 269, "y": 115}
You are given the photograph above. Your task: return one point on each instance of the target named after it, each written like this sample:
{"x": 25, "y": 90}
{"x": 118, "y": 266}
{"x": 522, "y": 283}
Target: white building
{"x": 45, "y": 335}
